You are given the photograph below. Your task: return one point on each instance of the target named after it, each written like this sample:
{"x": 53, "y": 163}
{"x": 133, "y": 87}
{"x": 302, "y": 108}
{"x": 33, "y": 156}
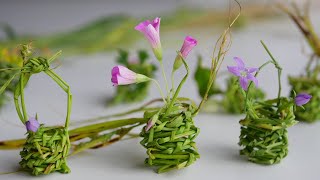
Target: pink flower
{"x": 123, "y": 76}
{"x": 188, "y": 44}
{"x": 151, "y": 31}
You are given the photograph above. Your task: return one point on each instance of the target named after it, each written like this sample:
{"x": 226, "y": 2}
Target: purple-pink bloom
{"x": 32, "y": 124}
{"x": 302, "y": 99}
{"x": 188, "y": 44}
{"x": 149, "y": 125}
{"x": 151, "y": 30}
{"x": 152, "y": 122}
{"x": 123, "y": 76}
{"x": 244, "y": 73}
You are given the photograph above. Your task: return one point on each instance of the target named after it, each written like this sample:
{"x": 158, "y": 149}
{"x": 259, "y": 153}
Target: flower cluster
{"x": 180, "y": 112}
{"x": 246, "y": 74}
{"x": 151, "y": 30}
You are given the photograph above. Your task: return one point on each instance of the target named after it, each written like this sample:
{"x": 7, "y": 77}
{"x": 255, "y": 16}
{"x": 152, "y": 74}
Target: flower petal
{"x": 142, "y": 26}
{"x": 124, "y": 81}
{"x": 126, "y": 73}
{"x": 115, "y": 71}
{"x": 252, "y": 70}
{"x": 151, "y": 31}
{"x": 32, "y": 124}
{"x": 152, "y": 36}
{"x": 114, "y": 80}
{"x": 122, "y": 76}
{"x": 188, "y": 44}
{"x": 234, "y": 70}
{"x": 302, "y": 98}
{"x": 253, "y": 79}
{"x": 156, "y": 24}
{"x": 244, "y": 83}
{"x": 239, "y": 62}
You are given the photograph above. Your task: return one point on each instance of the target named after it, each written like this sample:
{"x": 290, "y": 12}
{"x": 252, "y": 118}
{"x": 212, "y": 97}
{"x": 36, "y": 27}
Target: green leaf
{"x": 202, "y": 76}
{"x": 123, "y": 57}
{"x": 143, "y": 56}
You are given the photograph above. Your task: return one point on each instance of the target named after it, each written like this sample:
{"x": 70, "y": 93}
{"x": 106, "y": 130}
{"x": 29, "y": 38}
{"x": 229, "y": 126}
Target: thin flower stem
{"x": 250, "y": 84}
{"x": 165, "y": 77}
{"x": 160, "y": 90}
{"x": 172, "y": 82}
{"x": 179, "y": 87}
{"x": 276, "y": 64}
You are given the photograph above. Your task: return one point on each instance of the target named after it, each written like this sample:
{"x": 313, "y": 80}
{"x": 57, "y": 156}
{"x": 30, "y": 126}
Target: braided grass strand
{"x": 46, "y": 150}
{"x": 170, "y": 142}
{"x": 264, "y": 135}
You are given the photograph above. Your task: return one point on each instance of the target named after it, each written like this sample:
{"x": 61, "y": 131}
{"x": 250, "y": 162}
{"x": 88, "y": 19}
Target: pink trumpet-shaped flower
{"x": 245, "y": 74}
{"x": 32, "y": 124}
{"x": 123, "y": 76}
{"x": 151, "y": 30}
{"x": 188, "y": 44}
{"x": 302, "y": 99}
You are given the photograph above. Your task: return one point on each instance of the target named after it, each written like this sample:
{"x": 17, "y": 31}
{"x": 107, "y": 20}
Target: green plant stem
{"x": 172, "y": 81}
{"x": 116, "y": 115}
{"x": 160, "y": 90}
{"x": 165, "y": 77}
{"x": 16, "y": 101}
{"x": 54, "y": 57}
{"x": 250, "y": 84}
{"x": 96, "y": 128}
{"x": 17, "y": 93}
{"x": 178, "y": 88}
{"x": 23, "y": 105}
{"x": 276, "y": 64}
{"x": 143, "y": 107}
